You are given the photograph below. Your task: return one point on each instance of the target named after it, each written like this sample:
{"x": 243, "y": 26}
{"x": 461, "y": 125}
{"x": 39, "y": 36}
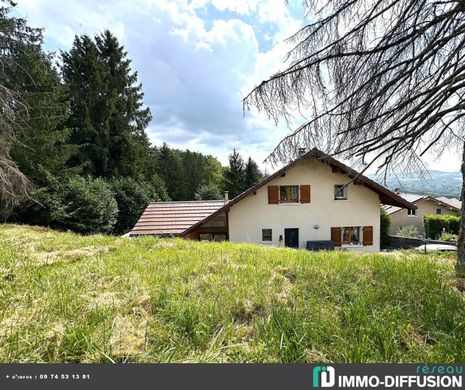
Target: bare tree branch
{"x": 381, "y": 81}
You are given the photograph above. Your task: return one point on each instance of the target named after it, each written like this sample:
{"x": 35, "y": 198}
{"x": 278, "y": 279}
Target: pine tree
{"x": 252, "y": 174}
{"x": 106, "y": 116}
{"x": 234, "y": 175}
{"x": 43, "y": 140}
{"x": 15, "y": 35}
{"x": 127, "y": 120}
{"x": 83, "y": 77}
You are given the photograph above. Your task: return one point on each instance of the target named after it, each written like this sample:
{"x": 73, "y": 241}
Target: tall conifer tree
{"x": 107, "y": 118}
{"x": 234, "y": 175}
{"x": 252, "y": 174}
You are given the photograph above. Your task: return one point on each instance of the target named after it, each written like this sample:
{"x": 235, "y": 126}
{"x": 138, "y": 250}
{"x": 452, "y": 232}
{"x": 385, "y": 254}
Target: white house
{"x": 314, "y": 198}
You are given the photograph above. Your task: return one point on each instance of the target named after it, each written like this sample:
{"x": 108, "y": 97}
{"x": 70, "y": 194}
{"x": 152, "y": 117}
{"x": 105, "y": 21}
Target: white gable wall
{"x": 249, "y": 216}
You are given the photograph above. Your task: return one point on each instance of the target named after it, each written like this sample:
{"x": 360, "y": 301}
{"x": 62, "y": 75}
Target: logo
{"x": 324, "y": 376}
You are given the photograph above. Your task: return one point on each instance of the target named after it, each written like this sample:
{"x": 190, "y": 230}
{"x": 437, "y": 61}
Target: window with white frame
{"x": 412, "y": 212}
{"x": 340, "y": 192}
{"x": 439, "y": 211}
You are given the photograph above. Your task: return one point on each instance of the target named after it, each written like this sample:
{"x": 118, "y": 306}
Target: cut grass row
{"x": 69, "y": 298}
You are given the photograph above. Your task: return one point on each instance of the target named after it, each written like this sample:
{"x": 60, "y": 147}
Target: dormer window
{"x": 340, "y": 192}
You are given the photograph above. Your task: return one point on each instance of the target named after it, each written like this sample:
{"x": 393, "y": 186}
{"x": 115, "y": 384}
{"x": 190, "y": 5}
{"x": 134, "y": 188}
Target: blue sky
{"x": 196, "y": 60}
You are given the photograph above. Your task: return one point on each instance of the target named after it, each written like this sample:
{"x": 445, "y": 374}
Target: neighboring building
{"x": 401, "y": 217}
{"x": 314, "y": 198}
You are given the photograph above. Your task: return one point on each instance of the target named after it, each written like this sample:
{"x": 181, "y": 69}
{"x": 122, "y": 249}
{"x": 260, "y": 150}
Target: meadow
{"x": 71, "y": 298}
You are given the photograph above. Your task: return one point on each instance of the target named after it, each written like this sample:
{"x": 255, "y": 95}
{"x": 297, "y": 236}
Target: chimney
{"x": 302, "y": 151}
{"x": 226, "y": 196}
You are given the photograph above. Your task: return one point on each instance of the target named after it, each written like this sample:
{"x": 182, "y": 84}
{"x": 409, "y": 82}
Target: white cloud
{"x": 195, "y": 70}
{"x": 241, "y": 7}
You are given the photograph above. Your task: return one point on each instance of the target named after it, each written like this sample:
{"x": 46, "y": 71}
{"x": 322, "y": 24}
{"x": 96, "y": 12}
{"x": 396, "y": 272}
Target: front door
{"x": 291, "y": 238}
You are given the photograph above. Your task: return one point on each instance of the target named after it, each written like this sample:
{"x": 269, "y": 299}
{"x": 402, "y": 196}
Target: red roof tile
{"x": 173, "y": 217}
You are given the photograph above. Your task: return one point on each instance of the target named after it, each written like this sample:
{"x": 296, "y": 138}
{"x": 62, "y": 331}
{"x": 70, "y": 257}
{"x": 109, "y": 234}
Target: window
{"x": 267, "y": 235}
{"x": 438, "y": 211}
{"x": 351, "y": 235}
{"x": 212, "y": 237}
{"x": 412, "y": 212}
{"x": 288, "y": 194}
{"x": 340, "y": 192}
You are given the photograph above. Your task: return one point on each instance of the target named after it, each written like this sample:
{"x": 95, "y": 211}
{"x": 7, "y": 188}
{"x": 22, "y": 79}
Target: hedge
{"x": 436, "y": 224}
{"x": 385, "y": 225}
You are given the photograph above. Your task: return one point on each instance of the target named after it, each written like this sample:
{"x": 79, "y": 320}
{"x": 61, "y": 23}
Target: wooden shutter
{"x": 368, "y": 235}
{"x": 336, "y": 235}
{"x": 305, "y": 194}
{"x": 273, "y": 194}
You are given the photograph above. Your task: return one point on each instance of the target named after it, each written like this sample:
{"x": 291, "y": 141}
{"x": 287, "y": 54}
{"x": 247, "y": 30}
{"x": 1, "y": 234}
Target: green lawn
{"x": 69, "y": 298}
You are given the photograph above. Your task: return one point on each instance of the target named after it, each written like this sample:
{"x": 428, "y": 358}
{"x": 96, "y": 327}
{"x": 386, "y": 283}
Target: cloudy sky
{"x": 196, "y": 60}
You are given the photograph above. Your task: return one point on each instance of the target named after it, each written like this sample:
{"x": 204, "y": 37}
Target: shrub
{"x": 449, "y": 237}
{"x": 384, "y": 228}
{"x": 89, "y": 205}
{"x": 84, "y": 205}
{"x": 435, "y": 225}
{"x": 407, "y": 231}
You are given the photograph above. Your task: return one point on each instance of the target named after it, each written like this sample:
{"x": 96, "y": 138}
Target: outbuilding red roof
{"x": 173, "y": 218}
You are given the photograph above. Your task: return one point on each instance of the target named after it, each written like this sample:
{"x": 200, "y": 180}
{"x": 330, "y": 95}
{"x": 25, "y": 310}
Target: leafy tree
{"x": 170, "y": 169}
{"x": 200, "y": 170}
{"x": 184, "y": 172}
{"x": 213, "y": 171}
{"x": 132, "y": 198}
{"x": 106, "y": 115}
{"x": 234, "y": 175}
{"x": 252, "y": 174}
{"x": 383, "y": 90}
{"x": 208, "y": 192}
{"x": 194, "y": 172}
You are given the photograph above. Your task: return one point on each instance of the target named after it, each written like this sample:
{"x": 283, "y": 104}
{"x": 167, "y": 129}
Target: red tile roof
{"x": 174, "y": 217}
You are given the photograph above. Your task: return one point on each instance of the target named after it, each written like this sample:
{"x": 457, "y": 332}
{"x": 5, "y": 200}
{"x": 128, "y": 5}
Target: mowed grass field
{"x": 69, "y": 298}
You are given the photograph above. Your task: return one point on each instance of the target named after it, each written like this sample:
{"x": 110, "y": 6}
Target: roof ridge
{"x": 187, "y": 201}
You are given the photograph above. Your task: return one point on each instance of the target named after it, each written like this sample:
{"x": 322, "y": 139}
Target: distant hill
{"x": 438, "y": 184}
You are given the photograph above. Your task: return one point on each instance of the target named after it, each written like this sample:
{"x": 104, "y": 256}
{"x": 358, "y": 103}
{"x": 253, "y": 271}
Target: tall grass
{"x": 69, "y": 298}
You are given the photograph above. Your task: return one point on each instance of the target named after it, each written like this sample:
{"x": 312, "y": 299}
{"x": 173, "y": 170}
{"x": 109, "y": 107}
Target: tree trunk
{"x": 461, "y": 240}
